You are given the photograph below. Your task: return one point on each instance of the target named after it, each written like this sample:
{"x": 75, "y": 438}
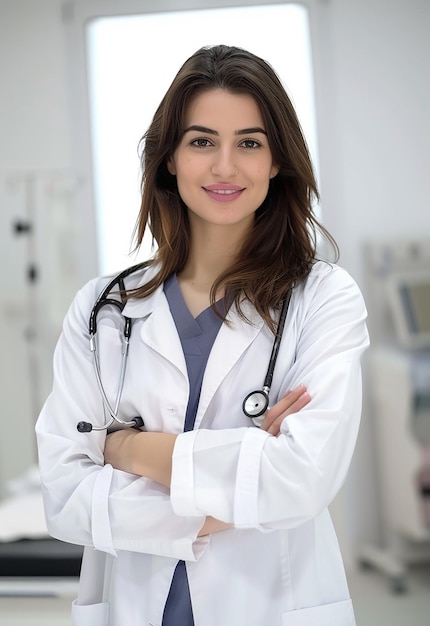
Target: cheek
{"x": 263, "y": 174}
{"x": 186, "y": 169}
{"x": 263, "y": 169}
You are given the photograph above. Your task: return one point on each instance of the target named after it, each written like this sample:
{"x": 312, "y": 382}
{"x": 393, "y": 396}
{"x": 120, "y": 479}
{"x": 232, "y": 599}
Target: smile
{"x": 226, "y": 192}
{"x": 223, "y": 193}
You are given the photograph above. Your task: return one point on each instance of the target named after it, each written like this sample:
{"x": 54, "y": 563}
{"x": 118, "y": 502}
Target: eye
{"x": 250, "y": 144}
{"x": 201, "y": 142}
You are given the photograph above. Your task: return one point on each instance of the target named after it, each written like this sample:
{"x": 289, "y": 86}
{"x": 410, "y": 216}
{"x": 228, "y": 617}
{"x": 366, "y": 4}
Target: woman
{"x": 201, "y": 517}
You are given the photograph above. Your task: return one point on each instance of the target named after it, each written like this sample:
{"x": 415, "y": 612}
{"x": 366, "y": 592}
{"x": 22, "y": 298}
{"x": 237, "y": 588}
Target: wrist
{"x": 151, "y": 455}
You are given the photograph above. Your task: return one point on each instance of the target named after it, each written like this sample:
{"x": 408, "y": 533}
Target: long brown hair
{"x": 281, "y": 247}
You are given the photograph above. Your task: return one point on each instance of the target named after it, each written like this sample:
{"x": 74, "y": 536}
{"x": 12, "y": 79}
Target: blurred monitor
{"x": 409, "y": 300}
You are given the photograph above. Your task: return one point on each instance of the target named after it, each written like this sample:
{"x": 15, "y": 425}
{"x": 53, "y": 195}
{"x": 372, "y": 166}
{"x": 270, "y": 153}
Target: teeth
{"x": 225, "y": 192}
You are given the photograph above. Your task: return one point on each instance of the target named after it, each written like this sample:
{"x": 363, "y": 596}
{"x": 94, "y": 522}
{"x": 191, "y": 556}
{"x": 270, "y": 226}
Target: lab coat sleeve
{"x": 254, "y": 480}
{"x": 86, "y": 502}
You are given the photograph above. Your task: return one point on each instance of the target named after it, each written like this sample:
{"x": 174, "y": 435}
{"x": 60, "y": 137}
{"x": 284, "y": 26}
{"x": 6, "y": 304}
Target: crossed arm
{"x": 150, "y": 453}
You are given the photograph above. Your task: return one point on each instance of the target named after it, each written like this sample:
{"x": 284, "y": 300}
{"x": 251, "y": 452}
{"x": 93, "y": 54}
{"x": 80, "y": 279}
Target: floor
{"x": 36, "y": 602}
{"x": 377, "y": 605}
{"x": 374, "y": 601}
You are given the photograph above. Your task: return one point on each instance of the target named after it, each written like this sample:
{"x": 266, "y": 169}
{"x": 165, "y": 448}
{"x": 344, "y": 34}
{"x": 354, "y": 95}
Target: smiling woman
{"x": 223, "y": 166}
{"x": 223, "y": 157}
{"x": 116, "y": 47}
{"x": 203, "y": 501}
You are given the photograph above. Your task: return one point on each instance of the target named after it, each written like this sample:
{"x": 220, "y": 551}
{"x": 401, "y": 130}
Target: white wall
{"x": 38, "y": 185}
{"x": 373, "y": 99}
{"x": 380, "y": 55}
{"x": 34, "y": 119}
{"x": 378, "y": 169}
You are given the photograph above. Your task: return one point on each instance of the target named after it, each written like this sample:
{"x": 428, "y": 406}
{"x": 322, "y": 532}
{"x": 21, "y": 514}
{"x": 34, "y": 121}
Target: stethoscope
{"x": 105, "y": 300}
{"x": 254, "y": 405}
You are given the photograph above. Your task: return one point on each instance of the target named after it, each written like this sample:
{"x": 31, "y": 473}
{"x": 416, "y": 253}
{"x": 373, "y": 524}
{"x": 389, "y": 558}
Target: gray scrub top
{"x": 197, "y": 336}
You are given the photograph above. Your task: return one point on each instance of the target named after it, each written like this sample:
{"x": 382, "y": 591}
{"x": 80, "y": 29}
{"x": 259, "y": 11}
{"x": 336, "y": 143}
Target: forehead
{"x": 224, "y": 109}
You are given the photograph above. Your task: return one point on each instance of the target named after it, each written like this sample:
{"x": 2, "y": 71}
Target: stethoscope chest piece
{"x": 256, "y": 403}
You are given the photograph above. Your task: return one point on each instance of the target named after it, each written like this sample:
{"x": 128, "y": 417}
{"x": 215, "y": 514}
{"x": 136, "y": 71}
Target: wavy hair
{"x": 281, "y": 247}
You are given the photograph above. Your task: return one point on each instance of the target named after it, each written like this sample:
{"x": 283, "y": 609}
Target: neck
{"x": 211, "y": 253}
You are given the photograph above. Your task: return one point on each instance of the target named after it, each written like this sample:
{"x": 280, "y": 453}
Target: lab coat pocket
{"x": 335, "y": 614}
{"x": 90, "y": 614}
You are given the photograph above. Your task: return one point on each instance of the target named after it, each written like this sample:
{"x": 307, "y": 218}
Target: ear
{"x": 274, "y": 171}
{"x": 171, "y": 167}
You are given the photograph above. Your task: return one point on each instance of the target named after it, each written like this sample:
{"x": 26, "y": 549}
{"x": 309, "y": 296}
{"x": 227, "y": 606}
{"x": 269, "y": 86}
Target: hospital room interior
{"x": 80, "y": 80}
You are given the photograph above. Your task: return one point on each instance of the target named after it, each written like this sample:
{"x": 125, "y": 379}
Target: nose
{"x": 224, "y": 165}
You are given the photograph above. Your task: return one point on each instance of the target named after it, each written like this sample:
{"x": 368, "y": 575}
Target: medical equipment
{"x": 255, "y": 403}
{"x": 105, "y": 300}
{"x": 408, "y": 295}
{"x": 398, "y": 298}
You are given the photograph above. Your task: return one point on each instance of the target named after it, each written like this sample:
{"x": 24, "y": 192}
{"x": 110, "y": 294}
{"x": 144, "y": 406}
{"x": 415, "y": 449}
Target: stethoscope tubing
{"x": 255, "y": 403}
{"x": 277, "y": 343}
{"x": 102, "y": 301}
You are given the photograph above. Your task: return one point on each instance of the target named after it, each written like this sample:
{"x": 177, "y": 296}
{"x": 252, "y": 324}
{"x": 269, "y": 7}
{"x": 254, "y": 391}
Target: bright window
{"x": 131, "y": 62}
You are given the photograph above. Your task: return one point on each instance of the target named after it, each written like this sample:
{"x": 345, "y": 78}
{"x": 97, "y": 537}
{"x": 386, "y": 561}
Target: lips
{"x": 222, "y": 187}
{"x": 223, "y": 192}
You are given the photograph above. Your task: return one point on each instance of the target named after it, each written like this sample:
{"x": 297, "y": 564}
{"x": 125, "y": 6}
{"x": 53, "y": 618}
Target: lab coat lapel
{"x": 232, "y": 341}
{"x": 159, "y": 333}
{"x": 158, "y": 330}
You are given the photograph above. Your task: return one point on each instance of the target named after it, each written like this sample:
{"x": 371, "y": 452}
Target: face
{"x": 223, "y": 163}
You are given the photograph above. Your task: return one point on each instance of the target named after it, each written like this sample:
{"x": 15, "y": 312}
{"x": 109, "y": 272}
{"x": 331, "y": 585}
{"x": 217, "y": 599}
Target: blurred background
{"x": 80, "y": 81}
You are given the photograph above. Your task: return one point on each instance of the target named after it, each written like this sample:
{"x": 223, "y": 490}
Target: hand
{"x": 291, "y": 402}
{"x": 213, "y": 525}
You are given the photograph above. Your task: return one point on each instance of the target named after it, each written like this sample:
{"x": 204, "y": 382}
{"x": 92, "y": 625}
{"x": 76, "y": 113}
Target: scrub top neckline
{"x": 187, "y": 324}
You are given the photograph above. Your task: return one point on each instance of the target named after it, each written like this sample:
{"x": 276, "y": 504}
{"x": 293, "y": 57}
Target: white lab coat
{"x": 280, "y": 564}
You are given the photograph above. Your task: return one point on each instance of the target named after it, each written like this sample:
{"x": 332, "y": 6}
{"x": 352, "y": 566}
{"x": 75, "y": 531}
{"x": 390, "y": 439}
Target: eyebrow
{"x": 210, "y": 131}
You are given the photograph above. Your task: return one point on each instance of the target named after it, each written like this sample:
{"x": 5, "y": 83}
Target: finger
{"x": 290, "y": 397}
{"x": 286, "y": 402}
{"x": 274, "y": 423}
{"x": 297, "y": 406}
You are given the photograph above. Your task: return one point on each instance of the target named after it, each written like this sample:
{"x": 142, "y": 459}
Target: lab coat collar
{"x": 159, "y": 332}
{"x": 143, "y": 307}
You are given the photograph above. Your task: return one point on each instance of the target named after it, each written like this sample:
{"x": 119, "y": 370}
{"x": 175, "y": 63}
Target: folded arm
{"x": 86, "y": 501}
{"x": 150, "y": 454}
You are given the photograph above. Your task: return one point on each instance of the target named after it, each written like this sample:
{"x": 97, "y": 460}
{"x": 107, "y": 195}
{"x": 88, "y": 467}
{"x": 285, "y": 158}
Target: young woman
{"x": 200, "y": 516}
